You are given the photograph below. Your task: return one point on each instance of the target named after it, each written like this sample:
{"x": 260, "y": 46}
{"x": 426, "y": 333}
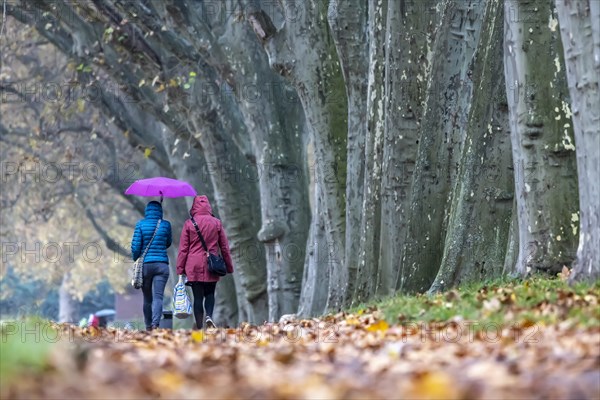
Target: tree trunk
{"x": 300, "y": 50}
{"x": 368, "y": 254}
{"x": 348, "y": 22}
{"x": 67, "y": 305}
{"x": 440, "y": 142}
{"x": 411, "y": 28}
{"x": 274, "y": 119}
{"x": 542, "y": 137}
{"x": 226, "y": 310}
{"x": 580, "y": 32}
{"x": 482, "y": 202}
{"x": 315, "y": 282}
{"x": 208, "y": 118}
{"x": 512, "y": 245}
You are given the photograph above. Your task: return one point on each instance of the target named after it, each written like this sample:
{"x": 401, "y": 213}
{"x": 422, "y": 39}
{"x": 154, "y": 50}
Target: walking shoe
{"x": 210, "y": 323}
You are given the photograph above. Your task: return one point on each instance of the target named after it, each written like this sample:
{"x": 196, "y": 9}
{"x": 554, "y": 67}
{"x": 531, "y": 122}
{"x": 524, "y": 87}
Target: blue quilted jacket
{"x": 143, "y": 233}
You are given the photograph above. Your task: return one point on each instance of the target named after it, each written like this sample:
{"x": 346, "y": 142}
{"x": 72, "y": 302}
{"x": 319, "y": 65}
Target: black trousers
{"x": 204, "y": 299}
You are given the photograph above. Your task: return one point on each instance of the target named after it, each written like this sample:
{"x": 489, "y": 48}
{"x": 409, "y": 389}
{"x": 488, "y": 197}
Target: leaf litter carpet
{"x": 342, "y": 356}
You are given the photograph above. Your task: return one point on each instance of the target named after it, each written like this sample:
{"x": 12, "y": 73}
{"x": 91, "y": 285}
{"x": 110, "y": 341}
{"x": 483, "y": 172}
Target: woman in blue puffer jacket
{"x": 156, "y": 261}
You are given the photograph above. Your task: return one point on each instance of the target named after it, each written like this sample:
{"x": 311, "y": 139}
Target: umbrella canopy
{"x": 107, "y": 312}
{"x": 161, "y": 186}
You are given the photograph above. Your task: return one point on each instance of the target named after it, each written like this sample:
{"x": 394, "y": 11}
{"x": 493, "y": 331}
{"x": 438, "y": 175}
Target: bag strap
{"x": 151, "y": 239}
{"x": 199, "y": 235}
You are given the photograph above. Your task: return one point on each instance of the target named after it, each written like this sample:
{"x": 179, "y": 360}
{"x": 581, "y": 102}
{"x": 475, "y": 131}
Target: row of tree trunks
{"x": 434, "y": 160}
{"x": 301, "y": 51}
{"x": 275, "y": 122}
{"x": 84, "y": 44}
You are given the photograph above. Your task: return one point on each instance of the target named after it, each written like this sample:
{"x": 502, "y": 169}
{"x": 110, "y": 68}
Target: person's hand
{"x": 181, "y": 279}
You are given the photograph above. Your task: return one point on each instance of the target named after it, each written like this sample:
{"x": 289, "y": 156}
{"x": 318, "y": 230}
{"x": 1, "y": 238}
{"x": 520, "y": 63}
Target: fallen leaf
{"x": 197, "y": 336}
{"x": 168, "y": 381}
{"x": 380, "y": 325}
{"x": 565, "y": 273}
{"x": 492, "y": 305}
{"x": 434, "y": 385}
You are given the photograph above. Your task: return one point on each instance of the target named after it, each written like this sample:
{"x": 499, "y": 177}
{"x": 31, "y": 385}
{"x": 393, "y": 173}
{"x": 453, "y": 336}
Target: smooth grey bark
{"x": 482, "y": 201}
{"x": 285, "y": 217}
{"x": 252, "y": 305}
{"x": 67, "y": 305}
{"x": 301, "y": 51}
{"x": 542, "y": 137}
{"x": 274, "y": 117}
{"x": 348, "y": 22}
{"x": 226, "y": 313}
{"x": 512, "y": 245}
{"x": 411, "y": 29}
{"x": 440, "y": 143}
{"x": 580, "y": 33}
{"x": 368, "y": 253}
{"x": 315, "y": 282}
{"x": 240, "y": 216}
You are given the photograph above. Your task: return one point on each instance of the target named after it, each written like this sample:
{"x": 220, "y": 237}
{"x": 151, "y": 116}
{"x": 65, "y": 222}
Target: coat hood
{"x": 153, "y": 210}
{"x": 201, "y": 206}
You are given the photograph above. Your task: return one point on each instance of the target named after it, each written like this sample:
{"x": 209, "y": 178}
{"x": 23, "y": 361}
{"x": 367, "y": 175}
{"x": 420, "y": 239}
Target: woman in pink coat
{"x": 192, "y": 259}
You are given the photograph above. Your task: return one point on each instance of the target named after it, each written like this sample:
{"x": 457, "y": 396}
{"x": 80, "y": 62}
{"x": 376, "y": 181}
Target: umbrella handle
{"x": 161, "y": 197}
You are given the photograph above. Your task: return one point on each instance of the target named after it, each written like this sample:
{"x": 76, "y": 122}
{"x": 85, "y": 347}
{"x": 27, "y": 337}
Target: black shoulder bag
{"x": 216, "y": 264}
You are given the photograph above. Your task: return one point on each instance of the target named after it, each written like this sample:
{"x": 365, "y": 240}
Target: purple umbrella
{"x": 161, "y": 186}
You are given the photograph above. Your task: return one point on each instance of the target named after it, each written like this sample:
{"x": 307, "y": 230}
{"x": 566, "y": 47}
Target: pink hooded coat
{"x": 191, "y": 259}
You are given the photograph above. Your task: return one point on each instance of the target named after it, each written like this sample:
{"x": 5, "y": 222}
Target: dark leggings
{"x": 204, "y": 292}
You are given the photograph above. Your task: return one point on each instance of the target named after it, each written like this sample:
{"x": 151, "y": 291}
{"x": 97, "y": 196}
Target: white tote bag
{"x": 182, "y": 305}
